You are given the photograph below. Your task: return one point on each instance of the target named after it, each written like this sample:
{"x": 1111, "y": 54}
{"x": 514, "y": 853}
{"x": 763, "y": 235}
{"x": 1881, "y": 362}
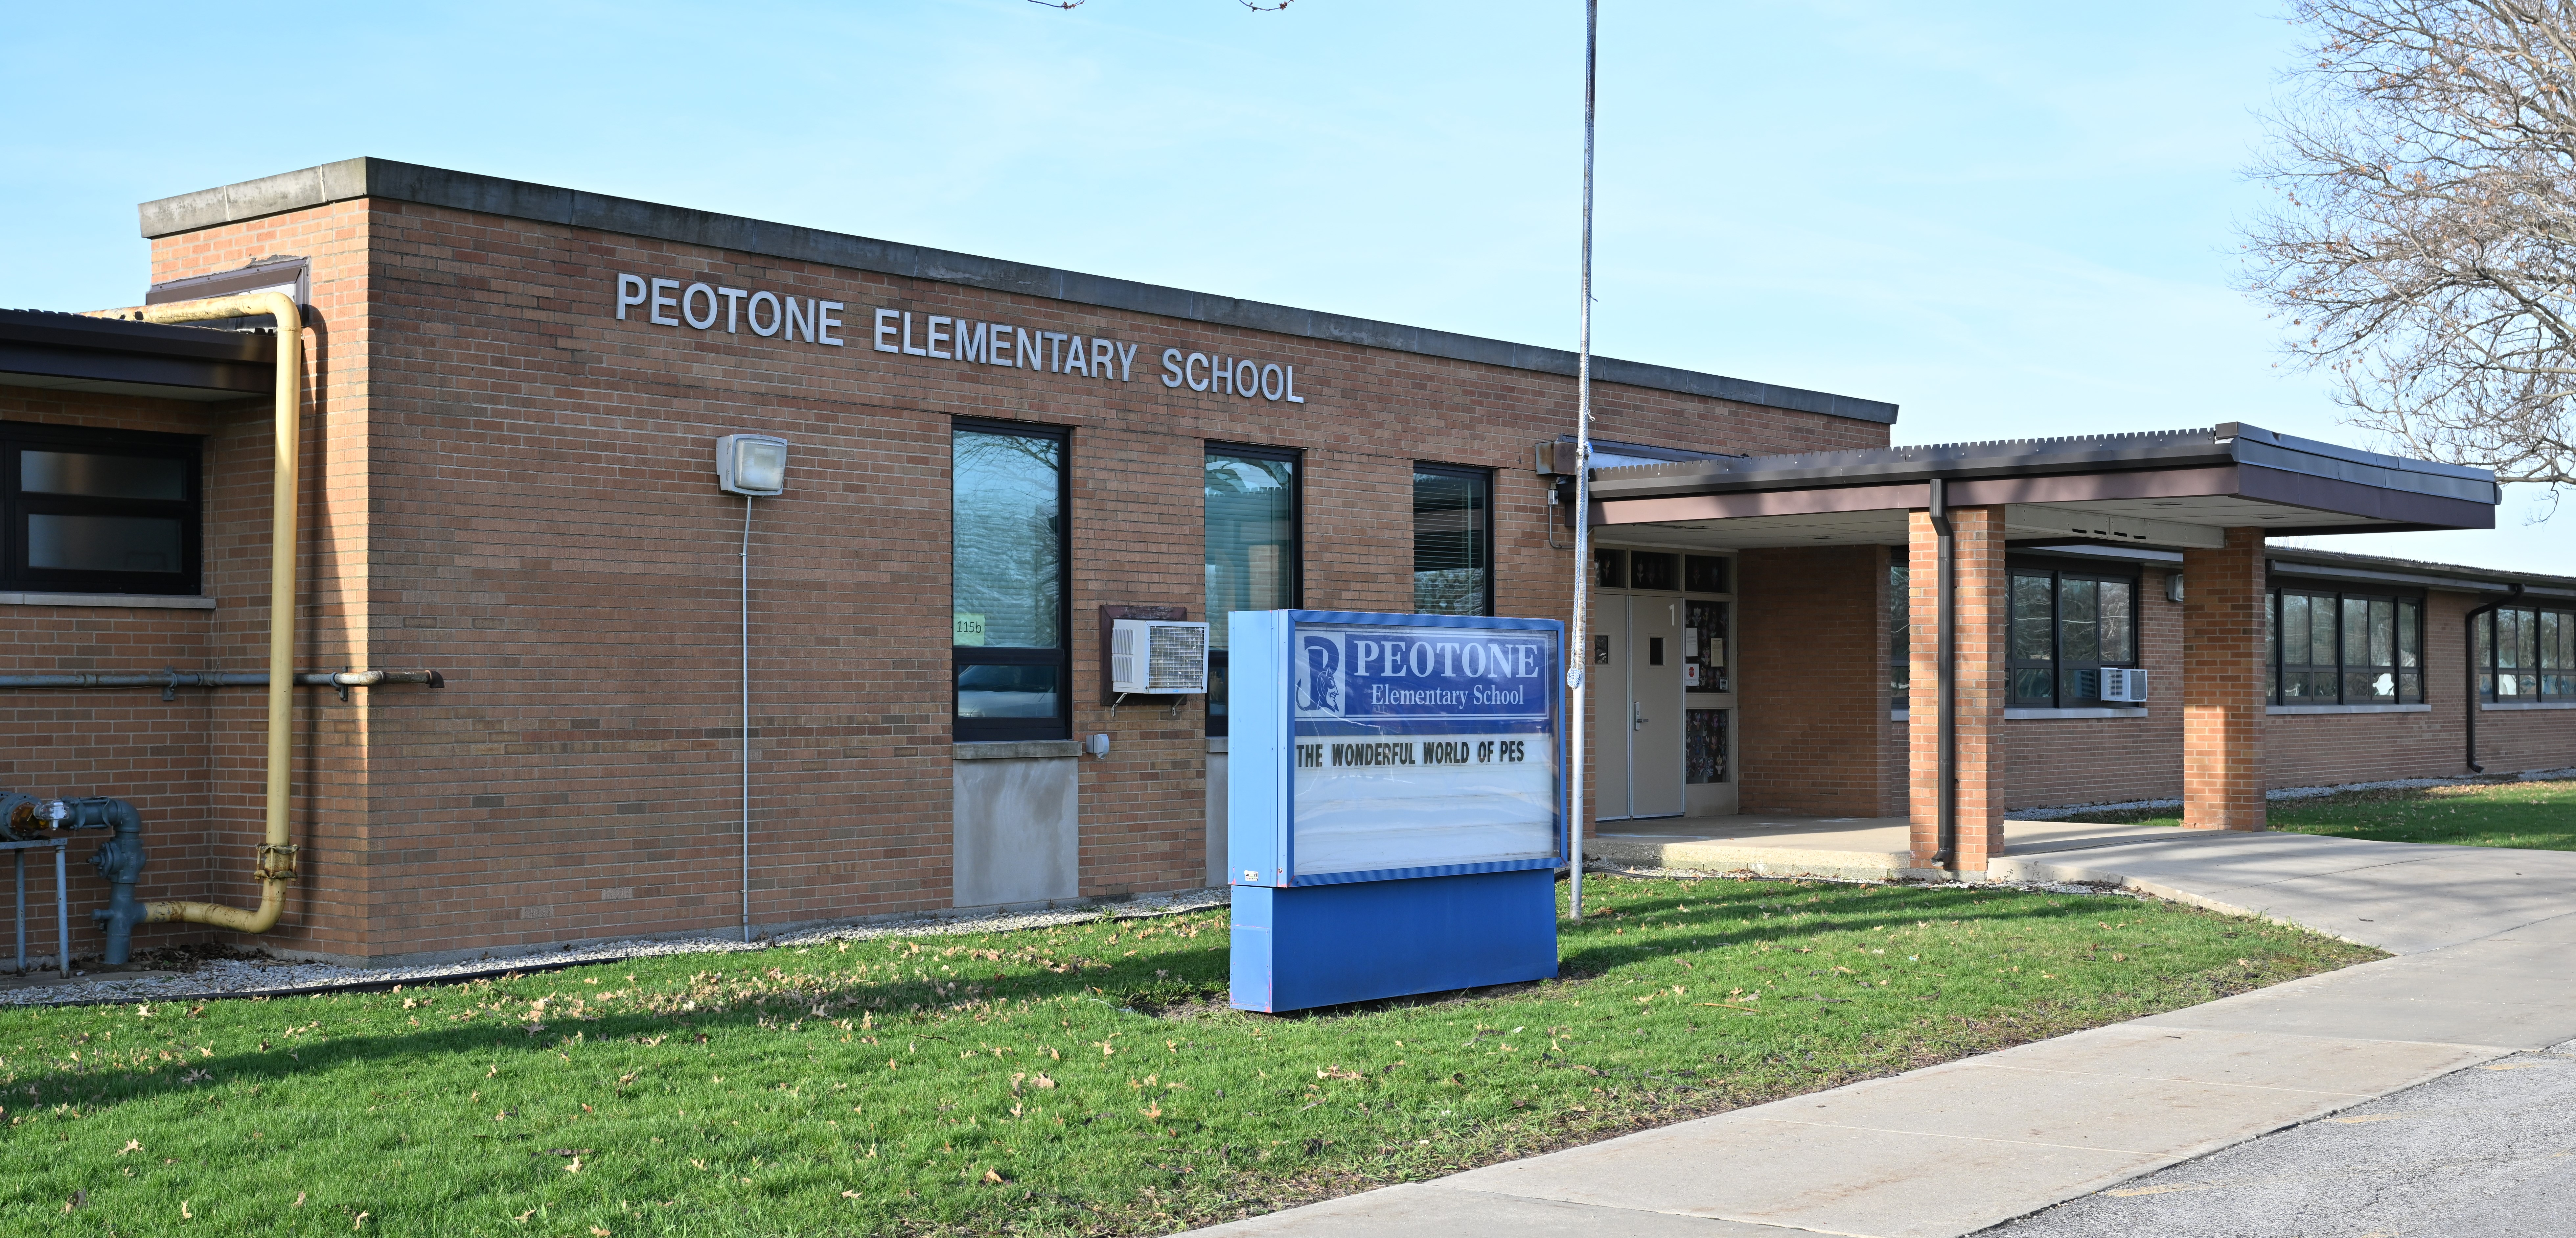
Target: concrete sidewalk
{"x": 2484, "y": 938}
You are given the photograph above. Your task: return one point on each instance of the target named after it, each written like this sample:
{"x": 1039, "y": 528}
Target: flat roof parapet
{"x": 366, "y": 177}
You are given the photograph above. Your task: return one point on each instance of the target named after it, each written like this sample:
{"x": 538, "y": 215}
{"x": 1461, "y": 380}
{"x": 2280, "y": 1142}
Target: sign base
{"x": 1299, "y": 947}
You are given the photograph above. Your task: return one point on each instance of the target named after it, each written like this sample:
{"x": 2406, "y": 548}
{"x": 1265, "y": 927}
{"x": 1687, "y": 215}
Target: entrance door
{"x": 1655, "y": 707}
{"x": 1607, "y": 679}
{"x": 1636, "y": 691}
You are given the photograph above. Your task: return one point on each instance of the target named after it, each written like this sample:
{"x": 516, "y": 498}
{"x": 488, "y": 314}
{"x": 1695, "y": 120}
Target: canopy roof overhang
{"x": 76, "y": 352}
{"x": 2175, "y": 489}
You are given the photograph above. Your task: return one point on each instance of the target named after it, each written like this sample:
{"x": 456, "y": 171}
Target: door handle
{"x": 1636, "y": 716}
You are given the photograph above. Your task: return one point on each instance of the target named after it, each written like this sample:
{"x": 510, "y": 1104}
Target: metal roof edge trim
{"x": 92, "y": 332}
{"x": 367, "y": 176}
{"x": 2227, "y": 443}
{"x": 2336, "y": 565}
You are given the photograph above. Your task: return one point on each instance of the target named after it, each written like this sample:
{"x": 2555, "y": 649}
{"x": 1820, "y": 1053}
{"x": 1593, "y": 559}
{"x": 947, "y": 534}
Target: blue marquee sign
{"x": 1395, "y": 803}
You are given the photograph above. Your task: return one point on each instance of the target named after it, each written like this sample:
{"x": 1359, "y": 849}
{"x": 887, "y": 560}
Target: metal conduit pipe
{"x": 2469, "y": 659}
{"x": 221, "y": 679}
{"x": 276, "y": 863}
{"x": 1946, "y": 643}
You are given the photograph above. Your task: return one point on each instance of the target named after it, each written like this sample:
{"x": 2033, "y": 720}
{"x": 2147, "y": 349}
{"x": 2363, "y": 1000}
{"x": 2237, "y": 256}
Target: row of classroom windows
{"x": 1011, "y": 544}
{"x": 2320, "y": 647}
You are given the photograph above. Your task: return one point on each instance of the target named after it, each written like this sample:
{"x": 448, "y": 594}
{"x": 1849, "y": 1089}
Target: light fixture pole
{"x": 1579, "y": 653}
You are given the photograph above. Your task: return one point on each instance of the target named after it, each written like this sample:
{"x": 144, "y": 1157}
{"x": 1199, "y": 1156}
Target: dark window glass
{"x": 1900, "y": 637}
{"x": 1007, "y": 588}
{"x": 2272, "y": 641}
{"x": 97, "y": 476}
{"x": 1704, "y": 574}
{"x": 1652, "y": 570}
{"x": 1704, "y": 646}
{"x": 1453, "y": 540}
{"x": 1252, "y": 520}
{"x": 1609, "y": 568}
{"x": 2526, "y": 655}
{"x": 2065, "y": 628}
{"x": 2033, "y": 650}
{"x": 1704, "y": 745}
{"x": 98, "y": 510}
{"x": 2330, "y": 648}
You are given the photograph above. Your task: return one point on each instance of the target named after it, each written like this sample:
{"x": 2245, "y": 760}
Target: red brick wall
{"x": 192, "y": 765}
{"x": 511, "y": 486}
{"x": 1980, "y": 601}
{"x": 1813, "y": 680}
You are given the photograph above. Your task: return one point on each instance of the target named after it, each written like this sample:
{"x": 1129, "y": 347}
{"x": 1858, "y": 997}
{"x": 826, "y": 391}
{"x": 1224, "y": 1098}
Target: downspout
{"x": 276, "y": 865}
{"x": 1946, "y": 640}
{"x": 2469, "y": 659}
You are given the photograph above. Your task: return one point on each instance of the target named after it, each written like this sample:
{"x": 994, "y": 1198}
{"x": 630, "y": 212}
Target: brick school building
{"x": 618, "y": 698}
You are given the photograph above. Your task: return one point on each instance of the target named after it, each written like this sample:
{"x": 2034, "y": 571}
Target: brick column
{"x": 2223, "y": 689}
{"x": 1981, "y": 601}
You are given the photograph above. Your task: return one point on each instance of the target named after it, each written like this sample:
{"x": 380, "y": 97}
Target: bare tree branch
{"x": 2425, "y": 247}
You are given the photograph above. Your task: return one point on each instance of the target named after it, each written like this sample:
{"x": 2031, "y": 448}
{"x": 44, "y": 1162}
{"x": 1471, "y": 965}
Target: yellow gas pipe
{"x": 276, "y": 855}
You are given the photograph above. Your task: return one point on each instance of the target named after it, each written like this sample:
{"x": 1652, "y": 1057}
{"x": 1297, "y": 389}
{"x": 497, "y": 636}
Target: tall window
{"x": 2330, "y": 648}
{"x": 1252, "y": 517}
{"x": 2067, "y": 625}
{"x": 2526, "y": 655}
{"x": 1013, "y": 668}
{"x": 1453, "y": 540}
{"x": 1900, "y": 633}
{"x": 98, "y": 511}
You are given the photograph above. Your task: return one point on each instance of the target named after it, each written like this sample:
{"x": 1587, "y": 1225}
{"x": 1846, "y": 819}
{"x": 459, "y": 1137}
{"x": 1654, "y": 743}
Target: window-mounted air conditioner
{"x": 2127, "y": 686}
{"x": 1157, "y": 656}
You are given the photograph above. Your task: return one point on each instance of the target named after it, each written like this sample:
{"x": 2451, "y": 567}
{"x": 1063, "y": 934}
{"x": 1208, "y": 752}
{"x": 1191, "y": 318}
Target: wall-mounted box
{"x": 1157, "y": 656}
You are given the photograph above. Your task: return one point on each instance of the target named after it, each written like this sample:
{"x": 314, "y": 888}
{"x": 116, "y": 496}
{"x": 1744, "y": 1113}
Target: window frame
{"x": 2275, "y": 649}
{"x": 1485, "y": 535}
{"x": 1005, "y": 730}
{"x": 2490, "y": 665}
{"x": 15, "y": 508}
{"x": 2058, "y": 573}
{"x": 1220, "y": 684}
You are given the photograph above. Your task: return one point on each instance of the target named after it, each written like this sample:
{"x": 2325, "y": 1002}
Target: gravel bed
{"x": 1746, "y": 874}
{"x": 220, "y": 978}
{"x": 2062, "y": 811}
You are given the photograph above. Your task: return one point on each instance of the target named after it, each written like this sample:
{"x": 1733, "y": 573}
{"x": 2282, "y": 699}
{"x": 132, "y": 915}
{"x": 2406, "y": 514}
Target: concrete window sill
{"x": 2347, "y": 709}
{"x": 1216, "y": 744}
{"x": 144, "y": 601}
{"x": 2512, "y": 706}
{"x": 1018, "y": 750}
{"x": 2032, "y": 715}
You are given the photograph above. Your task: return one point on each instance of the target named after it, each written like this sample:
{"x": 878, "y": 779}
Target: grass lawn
{"x": 2539, "y": 815}
{"x": 1085, "y": 1079}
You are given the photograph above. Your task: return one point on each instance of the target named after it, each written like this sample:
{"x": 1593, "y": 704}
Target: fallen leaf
{"x": 131, "y": 1145}
{"x": 598, "y": 1231}
{"x": 361, "y": 1222}
{"x": 992, "y": 1175}
{"x": 522, "y": 1218}
{"x": 1043, "y": 1082}
{"x": 575, "y": 1167}
{"x": 184, "y": 1214}
{"x": 849, "y": 1194}
{"x": 299, "y": 1200}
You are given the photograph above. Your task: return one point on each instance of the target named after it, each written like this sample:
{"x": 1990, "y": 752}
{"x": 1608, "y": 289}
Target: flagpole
{"x": 1578, "y": 651}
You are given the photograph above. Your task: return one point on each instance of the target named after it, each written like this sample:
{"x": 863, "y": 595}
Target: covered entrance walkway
{"x": 1882, "y": 621}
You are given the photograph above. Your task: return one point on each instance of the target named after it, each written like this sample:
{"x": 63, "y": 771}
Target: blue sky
{"x": 2010, "y": 219}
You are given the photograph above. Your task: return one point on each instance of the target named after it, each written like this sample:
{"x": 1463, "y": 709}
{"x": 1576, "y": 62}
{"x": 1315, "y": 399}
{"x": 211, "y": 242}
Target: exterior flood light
{"x": 751, "y": 464}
